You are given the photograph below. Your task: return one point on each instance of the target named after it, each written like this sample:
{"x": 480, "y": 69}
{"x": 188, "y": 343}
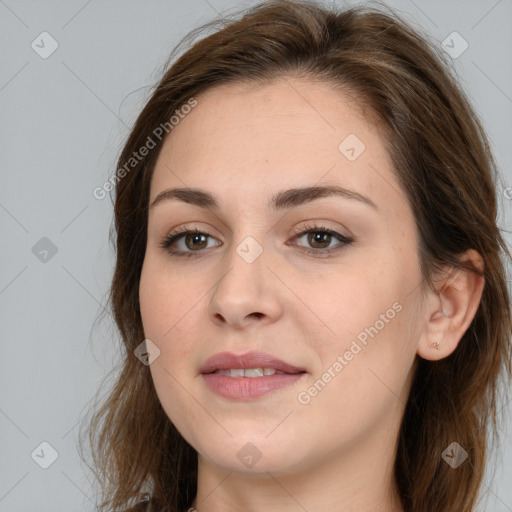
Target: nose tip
{"x": 232, "y": 320}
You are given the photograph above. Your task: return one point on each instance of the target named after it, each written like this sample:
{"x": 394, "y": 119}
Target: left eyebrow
{"x": 282, "y": 200}
{"x": 297, "y": 196}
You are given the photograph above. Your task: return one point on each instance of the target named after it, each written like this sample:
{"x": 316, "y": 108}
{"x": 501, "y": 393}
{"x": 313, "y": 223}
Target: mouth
{"x": 251, "y": 364}
{"x": 248, "y": 376}
{"x": 249, "y": 372}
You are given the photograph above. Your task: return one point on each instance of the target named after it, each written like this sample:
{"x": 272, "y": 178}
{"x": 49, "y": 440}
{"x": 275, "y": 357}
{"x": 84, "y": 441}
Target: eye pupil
{"x": 195, "y": 237}
{"x": 320, "y": 237}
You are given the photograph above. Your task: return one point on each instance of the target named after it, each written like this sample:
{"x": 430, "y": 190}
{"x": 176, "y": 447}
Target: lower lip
{"x": 249, "y": 387}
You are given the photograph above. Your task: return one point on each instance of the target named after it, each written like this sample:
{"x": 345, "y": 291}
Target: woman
{"x": 310, "y": 281}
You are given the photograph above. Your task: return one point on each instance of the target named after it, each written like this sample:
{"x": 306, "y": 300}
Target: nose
{"x": 246, "y": 293}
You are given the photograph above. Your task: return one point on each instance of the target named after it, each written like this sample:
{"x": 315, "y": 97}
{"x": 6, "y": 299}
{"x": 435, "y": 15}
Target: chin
{"x": 252, "y": 455}
{"x": 250, "y": 462}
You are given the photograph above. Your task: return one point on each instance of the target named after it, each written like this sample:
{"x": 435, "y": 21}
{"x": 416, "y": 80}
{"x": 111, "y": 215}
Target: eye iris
{"x": 319, "y": 237}
{"x": 195, "y": 237}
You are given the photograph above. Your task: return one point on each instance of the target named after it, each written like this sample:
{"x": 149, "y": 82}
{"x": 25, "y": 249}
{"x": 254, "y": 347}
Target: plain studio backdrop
{"x": 74, "y": 75}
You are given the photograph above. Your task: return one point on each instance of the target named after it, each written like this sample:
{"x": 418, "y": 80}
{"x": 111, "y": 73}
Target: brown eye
{"x": 319, "y": 239}
{"x": 187, "y": 242}
{"x": 196, "y": 241}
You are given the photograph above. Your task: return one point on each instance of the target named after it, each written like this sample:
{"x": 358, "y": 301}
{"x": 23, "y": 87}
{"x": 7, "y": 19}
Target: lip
{"x": 253, "y": 359}
{"x": 248, "y": 388}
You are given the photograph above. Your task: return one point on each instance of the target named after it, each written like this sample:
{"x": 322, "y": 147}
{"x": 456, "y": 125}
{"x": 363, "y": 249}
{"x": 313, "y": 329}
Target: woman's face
{"x": 341, "y": 303}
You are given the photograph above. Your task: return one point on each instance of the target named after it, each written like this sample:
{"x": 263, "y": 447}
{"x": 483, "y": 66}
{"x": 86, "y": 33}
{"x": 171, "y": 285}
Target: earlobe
{"x": 450, "y": 308}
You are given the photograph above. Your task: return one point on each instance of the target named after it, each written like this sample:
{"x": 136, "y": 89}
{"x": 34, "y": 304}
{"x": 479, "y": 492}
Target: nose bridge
{"x": 244, "y": 265}
{"x": 243, "y": 290}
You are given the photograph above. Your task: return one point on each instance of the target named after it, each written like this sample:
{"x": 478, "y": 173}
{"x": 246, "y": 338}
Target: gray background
{"x": 63, "y": 121}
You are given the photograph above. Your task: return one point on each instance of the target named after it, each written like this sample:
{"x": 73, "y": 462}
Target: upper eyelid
{"x": 316, "y": 225}
{"x": 299, "y": 232}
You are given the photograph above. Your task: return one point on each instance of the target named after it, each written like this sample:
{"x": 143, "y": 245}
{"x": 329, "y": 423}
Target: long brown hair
{"x": 442, "y": 159}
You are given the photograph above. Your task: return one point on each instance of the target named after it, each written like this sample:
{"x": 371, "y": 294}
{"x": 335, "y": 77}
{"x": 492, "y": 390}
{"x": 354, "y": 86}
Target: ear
{"x": 450, "y": 309}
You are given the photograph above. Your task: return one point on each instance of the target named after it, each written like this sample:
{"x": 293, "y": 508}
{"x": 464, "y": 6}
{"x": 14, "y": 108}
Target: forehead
{"x": 261, "y": 138}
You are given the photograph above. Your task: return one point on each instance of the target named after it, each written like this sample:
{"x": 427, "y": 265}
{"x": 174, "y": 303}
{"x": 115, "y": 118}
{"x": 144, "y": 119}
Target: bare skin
{"x": 332, "y": 449}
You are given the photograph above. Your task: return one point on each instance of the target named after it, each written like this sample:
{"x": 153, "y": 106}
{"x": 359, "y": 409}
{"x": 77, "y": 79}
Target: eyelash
{"x": 168, "y": 240}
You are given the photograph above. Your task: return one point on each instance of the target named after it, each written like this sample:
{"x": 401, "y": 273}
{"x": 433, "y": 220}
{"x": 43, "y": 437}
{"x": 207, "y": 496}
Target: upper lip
{"x": 228, "y": 360}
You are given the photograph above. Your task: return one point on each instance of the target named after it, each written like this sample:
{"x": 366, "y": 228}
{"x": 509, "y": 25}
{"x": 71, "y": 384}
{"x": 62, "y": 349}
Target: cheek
{"x": 341, "y": 305}
{"x": 362, "y": 380}
{"x": 164, "y": 298}
{"x": 368, "y": 318}
{"x": 167, "y": 310}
